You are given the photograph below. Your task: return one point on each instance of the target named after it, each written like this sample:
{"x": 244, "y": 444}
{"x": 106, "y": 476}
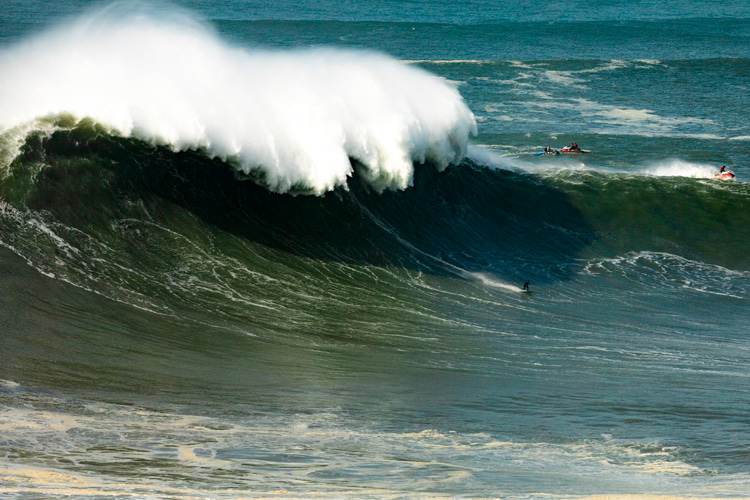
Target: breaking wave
{"x": 293, "y": 121}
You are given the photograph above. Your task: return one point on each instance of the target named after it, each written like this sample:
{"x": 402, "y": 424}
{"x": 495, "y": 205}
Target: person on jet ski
{"x": 724, "y": 173}
{"x": 574, "y": 146}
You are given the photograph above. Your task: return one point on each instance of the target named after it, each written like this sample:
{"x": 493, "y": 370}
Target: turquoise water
{"x": 276, "y": 250}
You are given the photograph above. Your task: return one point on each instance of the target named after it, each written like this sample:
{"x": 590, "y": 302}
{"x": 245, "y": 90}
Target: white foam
{"x": 562, "y": 77}
{"x": 491, "y": 281}
{"x": 488, "y": 158}
{"x": 9, "y": 384}
{"x": 268, "y": 451}
{"x": 638, "y": 121}
{"x": 299, "y": 115}
{"x": 676, "y": 271}
{"x": 682, "y": 168}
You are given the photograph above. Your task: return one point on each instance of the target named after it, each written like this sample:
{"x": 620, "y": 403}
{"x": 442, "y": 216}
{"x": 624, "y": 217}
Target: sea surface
{"x": 256, "y": 249}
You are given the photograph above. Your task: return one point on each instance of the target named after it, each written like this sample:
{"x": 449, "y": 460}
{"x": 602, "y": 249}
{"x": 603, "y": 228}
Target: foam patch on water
{"x": 543, "y": 94}
{"x": 675, "y": 272}
{"x": 291, "y": 119}
{"x": 609, "y": 119}
{"x": 9, "y": 385}
{"x": 98, "y": 450}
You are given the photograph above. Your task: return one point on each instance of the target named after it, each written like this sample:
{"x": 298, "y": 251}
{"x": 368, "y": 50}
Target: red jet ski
{"x": 567, "y": 149}
{"x": 725, "y": 176}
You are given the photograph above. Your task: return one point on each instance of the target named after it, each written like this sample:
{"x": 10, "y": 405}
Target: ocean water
{"x": 275, "y": 250}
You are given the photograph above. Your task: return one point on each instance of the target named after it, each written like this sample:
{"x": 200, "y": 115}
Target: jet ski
{"x": 567, "y": 150}
{"x": 545, "y": 153}
{"x": 725, "y": 176}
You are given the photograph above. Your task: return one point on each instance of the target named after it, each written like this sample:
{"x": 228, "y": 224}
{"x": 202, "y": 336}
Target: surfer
{"x": 526, "y": 285}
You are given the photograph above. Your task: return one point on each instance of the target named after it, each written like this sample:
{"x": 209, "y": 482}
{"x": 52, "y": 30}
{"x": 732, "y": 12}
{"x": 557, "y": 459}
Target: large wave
{"x": 292, "y": 120}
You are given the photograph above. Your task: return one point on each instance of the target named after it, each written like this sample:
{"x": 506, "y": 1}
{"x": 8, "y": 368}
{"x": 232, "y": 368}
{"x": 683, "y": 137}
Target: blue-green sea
{"x": 258, "y": 249}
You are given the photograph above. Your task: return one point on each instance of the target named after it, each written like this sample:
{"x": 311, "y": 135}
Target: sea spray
{"x": 291, "y": 120}
{"x": 682, "y": 168}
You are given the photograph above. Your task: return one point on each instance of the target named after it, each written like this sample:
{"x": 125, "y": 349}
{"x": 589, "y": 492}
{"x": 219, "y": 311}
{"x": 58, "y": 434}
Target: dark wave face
{"x": 133, "y": 221}
{"x": 698, "y": 219}
{"x": 112, "y": 198}
{"x": 232, "y": 271}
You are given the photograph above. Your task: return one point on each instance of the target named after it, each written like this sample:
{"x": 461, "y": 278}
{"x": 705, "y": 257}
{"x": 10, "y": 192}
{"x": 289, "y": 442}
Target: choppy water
{"x": 277, "y": 250}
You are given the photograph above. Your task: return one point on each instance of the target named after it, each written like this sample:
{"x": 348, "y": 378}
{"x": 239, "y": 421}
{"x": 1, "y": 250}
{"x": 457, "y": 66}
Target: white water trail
{"x": 682, "y": 168}
{"x": 489, "y": 280}
{"x": 292, "y": 119}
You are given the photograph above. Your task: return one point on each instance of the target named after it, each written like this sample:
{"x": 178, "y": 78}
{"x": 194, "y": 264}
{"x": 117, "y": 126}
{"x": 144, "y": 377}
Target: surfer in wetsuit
{"x": 526, "y": 285}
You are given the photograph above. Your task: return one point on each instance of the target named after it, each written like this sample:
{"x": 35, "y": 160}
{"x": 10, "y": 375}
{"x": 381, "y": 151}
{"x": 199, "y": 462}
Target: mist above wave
{"x": 292, "y": 120}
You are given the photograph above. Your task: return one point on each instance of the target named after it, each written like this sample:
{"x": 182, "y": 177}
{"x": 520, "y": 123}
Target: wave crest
{"x": 292, "y": 120}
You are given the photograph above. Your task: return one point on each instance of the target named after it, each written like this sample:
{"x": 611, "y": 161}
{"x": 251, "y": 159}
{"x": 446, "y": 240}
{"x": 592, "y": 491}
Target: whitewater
{"x": 292, "y": 119}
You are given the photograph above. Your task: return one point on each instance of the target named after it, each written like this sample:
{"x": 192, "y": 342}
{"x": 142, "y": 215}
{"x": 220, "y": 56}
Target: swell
{"x": 515, "y": 40}
{"x": 464, "y": 218}
{"x": 178, "y": 232}
{"x": 145, "y": 223}
{"x": 695, "y": 218}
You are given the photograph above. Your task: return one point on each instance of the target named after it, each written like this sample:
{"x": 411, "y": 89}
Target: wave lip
{"x": 292, "y": 120}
